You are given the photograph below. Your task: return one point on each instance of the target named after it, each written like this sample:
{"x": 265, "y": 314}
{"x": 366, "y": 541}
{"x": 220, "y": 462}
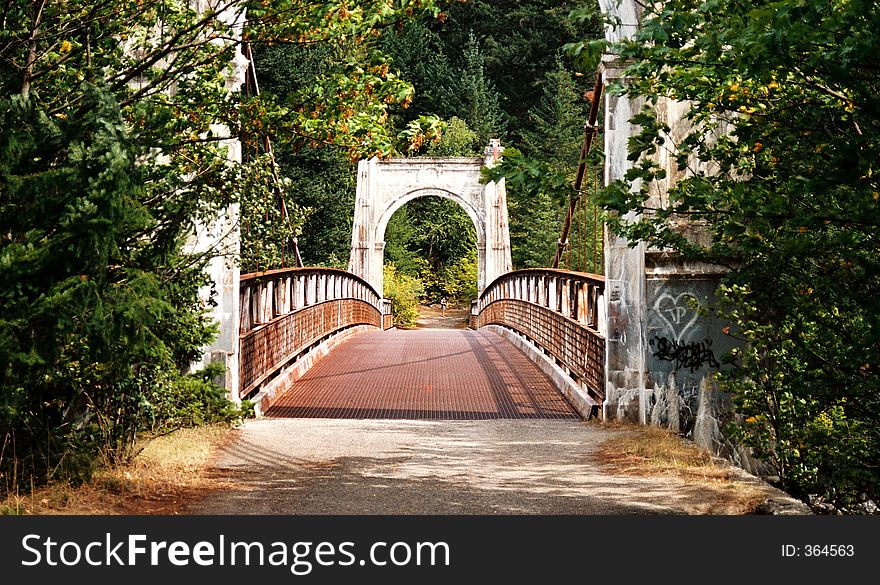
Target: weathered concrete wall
{"x": 682, "y": 346}
{"x": 383, "y": 187}
{"x": 661, "y": 355}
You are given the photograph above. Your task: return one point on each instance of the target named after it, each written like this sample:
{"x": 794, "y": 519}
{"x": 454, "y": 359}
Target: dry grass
{"x": 651, "y": 451}
{"x": 170, "y": 472}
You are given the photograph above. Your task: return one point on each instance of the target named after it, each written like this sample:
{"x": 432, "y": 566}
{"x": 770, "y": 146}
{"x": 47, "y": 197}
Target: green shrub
{"x": 404, "y": 292}
{"x": 459, "y": 279}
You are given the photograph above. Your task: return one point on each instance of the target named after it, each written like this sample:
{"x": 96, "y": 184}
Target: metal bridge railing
{"x": 560, "y": 312}
{"x": 284, "y": 313}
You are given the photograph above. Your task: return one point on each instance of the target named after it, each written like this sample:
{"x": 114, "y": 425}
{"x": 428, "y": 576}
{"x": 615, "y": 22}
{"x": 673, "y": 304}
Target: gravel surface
{"x": 350, "y": 467}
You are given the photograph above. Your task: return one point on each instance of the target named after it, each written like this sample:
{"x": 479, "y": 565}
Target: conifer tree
{"x": 483, "y": 112}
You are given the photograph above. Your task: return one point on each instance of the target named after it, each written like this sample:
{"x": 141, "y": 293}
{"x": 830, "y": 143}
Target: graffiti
{"x": 677, "y": 313}
{"x": 692, "y": 356}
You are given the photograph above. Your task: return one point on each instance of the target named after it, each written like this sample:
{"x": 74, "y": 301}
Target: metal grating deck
{"x": 424, "y": 374}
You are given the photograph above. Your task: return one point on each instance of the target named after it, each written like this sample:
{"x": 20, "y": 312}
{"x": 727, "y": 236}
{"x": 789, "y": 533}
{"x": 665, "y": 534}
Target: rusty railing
{"x": 560, "y": 312}
{"x": 284, "y": 313}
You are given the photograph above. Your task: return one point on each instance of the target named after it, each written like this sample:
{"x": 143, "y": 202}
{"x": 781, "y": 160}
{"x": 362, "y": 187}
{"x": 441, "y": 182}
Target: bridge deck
{"x": 424, "y": 374}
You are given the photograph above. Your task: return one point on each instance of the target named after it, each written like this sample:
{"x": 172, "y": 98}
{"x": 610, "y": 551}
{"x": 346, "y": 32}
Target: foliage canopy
{"x": 780, "y": 166}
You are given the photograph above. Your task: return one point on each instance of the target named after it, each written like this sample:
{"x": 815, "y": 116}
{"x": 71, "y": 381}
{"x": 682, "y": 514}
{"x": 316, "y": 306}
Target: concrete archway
{"x": 383, "y": 187}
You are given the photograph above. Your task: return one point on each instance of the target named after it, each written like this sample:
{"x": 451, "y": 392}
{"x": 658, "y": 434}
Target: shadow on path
{"x": 350, "y": 467}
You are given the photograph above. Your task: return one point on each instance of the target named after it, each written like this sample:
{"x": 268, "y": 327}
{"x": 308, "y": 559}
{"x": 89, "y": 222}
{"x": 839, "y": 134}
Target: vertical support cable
{"x": 590, "y": 130}
{"x": 251, "y": 83}
{"x": 595, "y": 223}
{"x": 583, "y": 235}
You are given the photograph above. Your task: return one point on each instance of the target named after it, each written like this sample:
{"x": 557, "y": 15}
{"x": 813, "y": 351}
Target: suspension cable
{"x": 590, "y": 130}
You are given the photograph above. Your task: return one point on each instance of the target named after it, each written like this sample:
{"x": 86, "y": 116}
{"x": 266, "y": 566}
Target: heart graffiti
{"x": 676, "y": 313}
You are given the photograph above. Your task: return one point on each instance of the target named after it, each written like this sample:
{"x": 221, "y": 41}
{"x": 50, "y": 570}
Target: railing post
{"x": 296, "y": 292}
{"x": 262, "y": 300}
{"x": 282, "y": 296}
{"x": 269, "y": 301}
{"x": 244, "y": 312}
{"x": 565, "y": 304}
{"x": 311, "y": 289}
{"x": 257, "y": 304}
{"x": 582, "y": 314}
{"x": 601, "y": 317}
{"x": 387, "y": 317}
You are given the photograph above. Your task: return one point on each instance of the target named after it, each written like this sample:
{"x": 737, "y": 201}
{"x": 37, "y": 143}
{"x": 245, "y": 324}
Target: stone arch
{"x": 470, "y": 210}
{"x": 383, "y": 187}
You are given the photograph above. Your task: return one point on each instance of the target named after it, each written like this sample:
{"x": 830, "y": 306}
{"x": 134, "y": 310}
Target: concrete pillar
{"x": 220, "y": 238}
{"x": 362, "y": 235}
{"x": 497, "y": 253}
{"x": 624, "y": 273}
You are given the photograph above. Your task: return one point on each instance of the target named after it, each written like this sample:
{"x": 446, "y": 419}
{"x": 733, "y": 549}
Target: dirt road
{"x": 322, "y": 466}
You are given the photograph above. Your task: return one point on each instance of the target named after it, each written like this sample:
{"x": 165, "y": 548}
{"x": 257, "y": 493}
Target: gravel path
{"x": 348, "y": 467}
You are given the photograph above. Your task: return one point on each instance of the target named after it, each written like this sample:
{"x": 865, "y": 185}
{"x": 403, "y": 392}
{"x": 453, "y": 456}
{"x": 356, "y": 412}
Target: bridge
{"x": 317, "y": 342}
{"x": 629, "y": 345}
{"x": 320, "y": 342}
